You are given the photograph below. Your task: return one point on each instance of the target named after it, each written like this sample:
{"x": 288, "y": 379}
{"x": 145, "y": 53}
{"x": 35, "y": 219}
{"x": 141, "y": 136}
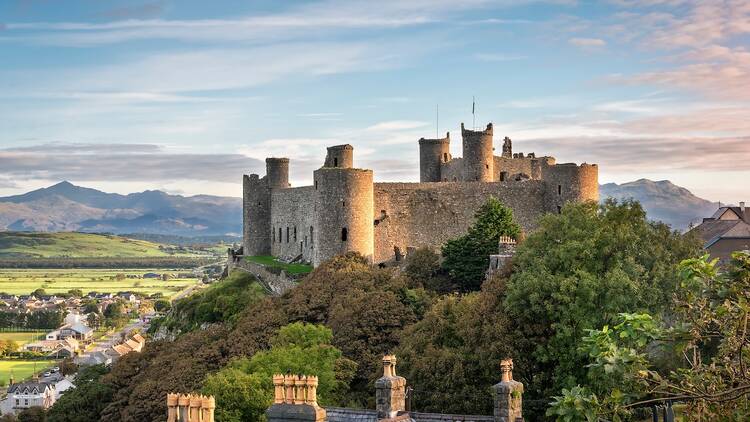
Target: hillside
{"x": 663, "y": 201}
{"x": 77, "y": 245}
{"x": 67, "y": 207}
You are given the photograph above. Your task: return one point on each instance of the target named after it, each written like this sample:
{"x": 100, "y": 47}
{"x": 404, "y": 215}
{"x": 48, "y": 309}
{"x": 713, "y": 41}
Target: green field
{"x": 22, "y": 337}
{"x": 271, "y": 262}
{"x": 22, "y": 369}
{"x": 85, "y": 245}
{"x": 25, "y": 281}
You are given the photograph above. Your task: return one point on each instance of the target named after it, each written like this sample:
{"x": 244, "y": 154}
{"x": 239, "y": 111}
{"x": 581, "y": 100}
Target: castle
{"x": 344, "y": 210}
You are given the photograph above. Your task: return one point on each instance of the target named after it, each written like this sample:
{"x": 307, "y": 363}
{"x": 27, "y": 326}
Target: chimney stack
{"x": 507, "y": 395}
{"x": 742, "y": 209}
{"x": 190, "y": 408}
{"x": 390, "y": 390}
{"x": 295, "y": 398}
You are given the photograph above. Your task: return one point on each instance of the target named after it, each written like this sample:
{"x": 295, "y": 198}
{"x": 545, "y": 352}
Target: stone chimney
{"x": 295, "y": 398}
{"x": 190, "y": 408}
{"x": 506, "y": 248}
{"x": 507, "y": 395}
{"x": 390, "y": 390}
{"x": 742, "y": 209}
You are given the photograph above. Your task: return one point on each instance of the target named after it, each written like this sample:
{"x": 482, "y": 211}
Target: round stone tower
{"x": 277, "y": 173}
{"x": 344, "y": 213}
{"x": 570, "y": 182}
{"x": 432, "y": 154}
{"x": 340, "y": 156}
{"x": 256, "y": 216}
{"x": 479, "y": 161}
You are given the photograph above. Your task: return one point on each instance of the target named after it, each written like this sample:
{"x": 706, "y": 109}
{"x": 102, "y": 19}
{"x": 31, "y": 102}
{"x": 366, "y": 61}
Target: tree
{"x": 244, "y": 388}
{"x": 86, "y": 401}
{"x": 162, "y": 305}
{"x": 578, "y": 271}
{"x": 76, "y": 292}
{"x": 708, "y": 330}
{"x": 39, "y": 292}
{"x": 467, "y": 258}
{"x": 32, "y": 414}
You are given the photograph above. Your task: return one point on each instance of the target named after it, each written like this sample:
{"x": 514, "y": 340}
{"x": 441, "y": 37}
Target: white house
{"x": 28, "y": 394}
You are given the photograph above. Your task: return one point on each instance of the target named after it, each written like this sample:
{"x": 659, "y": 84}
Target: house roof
{"x": 712, "y": 229}
{"x": 133, "y": 344}
{"x": 122, "y": 349}
{"x": 80, "y": 328}
{"x": 31, "y": 387}
{"x": 139, "y": 338}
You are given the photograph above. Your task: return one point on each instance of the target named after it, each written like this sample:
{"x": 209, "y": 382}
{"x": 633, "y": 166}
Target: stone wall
{"x": 292, "y": 217}
{"x": 274, "y": 283}
{"x": 428, "y": 214}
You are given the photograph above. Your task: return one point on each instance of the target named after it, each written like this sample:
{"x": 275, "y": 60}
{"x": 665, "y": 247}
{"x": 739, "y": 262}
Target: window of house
{"x": 344, "y": 234}
{"x": 559, "y": 189}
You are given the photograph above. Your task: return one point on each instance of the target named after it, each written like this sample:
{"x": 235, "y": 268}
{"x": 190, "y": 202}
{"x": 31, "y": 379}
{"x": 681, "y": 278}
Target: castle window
{"x": 559, "y": 209}
{"x": 295, "y": 233}
{"x": 445, "y": 157}
{"x": 344, "y": 234}
{"x": 305, "y": 240}
{"x": 311, "y": 237}
{"x": 487, "y": 166}
{"x": 503, "y": 176}
{"x": 343, "y": 204}
{"x": 335, "y": 162}
{"x": 287, "y": 234}
{"x": 316, "y": 185}
{"x": 559, "y": 189}
{"x": 279, "y": 234}
{"x": 300, "y": 247}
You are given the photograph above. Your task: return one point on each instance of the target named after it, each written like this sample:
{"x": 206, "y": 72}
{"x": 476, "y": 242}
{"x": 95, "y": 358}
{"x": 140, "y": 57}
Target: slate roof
{"x": 31, "y": 387}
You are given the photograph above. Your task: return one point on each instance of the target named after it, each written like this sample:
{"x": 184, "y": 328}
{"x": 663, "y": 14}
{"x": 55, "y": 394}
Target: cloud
{"x": 587, "y": 42}
{"x": 396, "y": 125}
{"x": 120, "y": 162}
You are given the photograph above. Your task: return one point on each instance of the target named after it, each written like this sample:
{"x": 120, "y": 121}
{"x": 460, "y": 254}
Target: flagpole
{"x": 473, "y": 115}
{"x": 437, "y": 121}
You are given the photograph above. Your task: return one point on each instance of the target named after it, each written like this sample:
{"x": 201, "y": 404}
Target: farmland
{"x": 25, "y": 281}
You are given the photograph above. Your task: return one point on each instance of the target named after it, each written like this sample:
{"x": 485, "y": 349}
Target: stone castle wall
{"x": 345, "y": 211}
{"x": 428, "y": 214}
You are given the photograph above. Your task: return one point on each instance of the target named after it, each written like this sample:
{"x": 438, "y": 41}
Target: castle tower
{"x": 340, "y": 156}
{"x": 432, "y": 154}
{"x": 277, "y": 173}
{"x": 344, "y": 212}
{"x": 570, "y": 182}
{"x": 478, "y": 154}
{"x": 507, "y": 148}
{"x": 256, "y": 216}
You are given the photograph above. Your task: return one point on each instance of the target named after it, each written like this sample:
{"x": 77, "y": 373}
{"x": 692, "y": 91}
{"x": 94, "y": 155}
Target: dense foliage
{"x": 220, "y": 302}
{"x": 88, "y": 400}
{"x": 47, "y": 319}
{"x": 466, "y": 258}
{"x": 578, "y": 271}
{"x": 243, "y": 389}
{"x": 706, "y": 335}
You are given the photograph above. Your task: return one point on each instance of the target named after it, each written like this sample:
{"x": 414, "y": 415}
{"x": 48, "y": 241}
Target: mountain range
{"x": 67, "y": 207}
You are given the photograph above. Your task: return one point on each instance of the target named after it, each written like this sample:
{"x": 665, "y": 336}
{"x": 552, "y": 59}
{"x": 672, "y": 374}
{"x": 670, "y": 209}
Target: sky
{"x": 187, "y": 95}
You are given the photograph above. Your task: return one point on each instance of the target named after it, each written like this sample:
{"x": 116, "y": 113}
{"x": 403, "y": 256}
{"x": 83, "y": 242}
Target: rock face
{"x": 67, "y": 207}
{"x": 663, "y": 201}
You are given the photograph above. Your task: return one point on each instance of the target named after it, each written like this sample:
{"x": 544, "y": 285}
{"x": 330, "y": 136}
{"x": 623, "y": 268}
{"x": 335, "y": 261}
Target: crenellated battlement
{"x": 345, "y": 210}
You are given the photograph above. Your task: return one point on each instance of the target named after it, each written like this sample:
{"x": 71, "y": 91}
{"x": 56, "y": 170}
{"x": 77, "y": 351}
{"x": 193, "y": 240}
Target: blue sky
{"x": 186, "y": 96}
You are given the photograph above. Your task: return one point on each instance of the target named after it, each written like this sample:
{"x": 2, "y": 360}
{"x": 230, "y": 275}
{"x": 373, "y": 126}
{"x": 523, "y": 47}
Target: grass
{"x": 22, "y": 369}
{"x": 272, "y": 262}
{"x": 25, "y": 281}
{"x": 83, "y": 245}
{"x": 22, "y": 337}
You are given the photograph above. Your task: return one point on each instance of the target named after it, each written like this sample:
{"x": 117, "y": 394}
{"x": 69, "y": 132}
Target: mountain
{"x": 67, "y": 207}
{"x": 663, "y": 201}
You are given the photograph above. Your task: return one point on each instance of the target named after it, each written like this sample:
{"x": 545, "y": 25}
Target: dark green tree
{"x": 88, "y": 399}
{"x": 466, "y": 258}
{"x": 578, "y": 271}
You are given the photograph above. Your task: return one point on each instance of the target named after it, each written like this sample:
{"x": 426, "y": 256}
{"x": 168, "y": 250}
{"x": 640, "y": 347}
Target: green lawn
{"x": 25, "y": 281}
{"x": 83, "y": 245}
{"x": 272, "y": 262}
{"x": 22, "y": 337}
{"x": 22, "y": 369}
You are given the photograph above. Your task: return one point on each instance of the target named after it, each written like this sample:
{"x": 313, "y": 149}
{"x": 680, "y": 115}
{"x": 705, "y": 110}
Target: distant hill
{"x": 663, "y": 201}
{"x": 67, "y": 207}
{"x": 79, "y": 245}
